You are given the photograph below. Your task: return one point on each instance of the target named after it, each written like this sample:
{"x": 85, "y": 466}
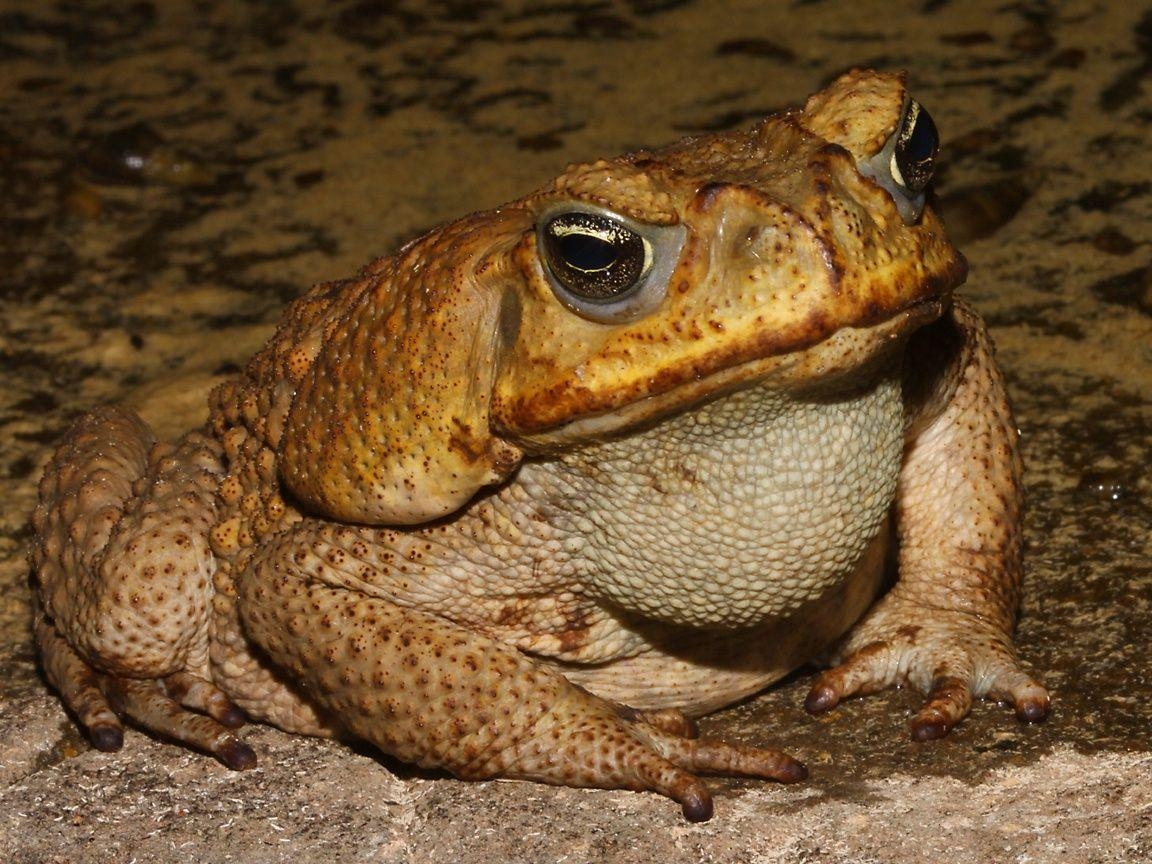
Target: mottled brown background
{"x": 172, "y": 172}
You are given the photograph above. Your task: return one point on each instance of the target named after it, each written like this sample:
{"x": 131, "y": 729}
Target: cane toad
{"x": 526, "y": 496}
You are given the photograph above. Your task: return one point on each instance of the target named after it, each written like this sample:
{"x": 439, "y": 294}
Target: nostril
{"x": 772, "y": 243}
{"x": 753, "y": 241}
{"x": 766, "y": 246}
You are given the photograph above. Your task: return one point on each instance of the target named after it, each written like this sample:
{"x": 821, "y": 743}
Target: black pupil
{"x": 921, "y": 144}
{"x": 594, "y": 257}
{"x": 916, "y": 148}
{"x": 586, "y": 252}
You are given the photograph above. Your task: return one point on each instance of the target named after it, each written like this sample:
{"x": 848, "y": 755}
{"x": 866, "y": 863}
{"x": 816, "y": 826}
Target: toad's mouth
{"x": 834, "y": 363}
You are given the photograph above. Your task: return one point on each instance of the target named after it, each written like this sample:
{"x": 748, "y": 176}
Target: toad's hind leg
{"x": 123, "y": 584}
{"x": 430, "y": 692}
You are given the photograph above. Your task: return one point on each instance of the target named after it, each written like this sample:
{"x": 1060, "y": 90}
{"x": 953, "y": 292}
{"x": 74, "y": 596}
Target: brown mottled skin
{"x": 448, "y": 511}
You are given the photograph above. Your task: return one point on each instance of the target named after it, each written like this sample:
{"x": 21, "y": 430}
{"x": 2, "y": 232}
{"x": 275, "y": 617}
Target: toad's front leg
{"x": 429, "y": 692}
{"x": 946, "y": 626}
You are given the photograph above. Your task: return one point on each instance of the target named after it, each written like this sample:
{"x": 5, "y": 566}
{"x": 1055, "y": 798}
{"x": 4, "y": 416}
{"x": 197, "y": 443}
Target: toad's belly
{"x": 698, "y": 671}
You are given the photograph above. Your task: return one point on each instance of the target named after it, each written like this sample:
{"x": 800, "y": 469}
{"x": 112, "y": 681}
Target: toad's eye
{"x": 914, "y": 156}
{"x": 603, "y": 266}
{"x": 905, "y": 163}
{"x": 594, "y": 257}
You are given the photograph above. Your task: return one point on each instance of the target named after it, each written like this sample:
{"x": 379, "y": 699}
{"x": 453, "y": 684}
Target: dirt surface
{"x": 172, "y": 173}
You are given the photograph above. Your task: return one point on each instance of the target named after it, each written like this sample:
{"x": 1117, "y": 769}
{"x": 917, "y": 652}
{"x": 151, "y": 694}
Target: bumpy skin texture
{"x": 449, "y": 513}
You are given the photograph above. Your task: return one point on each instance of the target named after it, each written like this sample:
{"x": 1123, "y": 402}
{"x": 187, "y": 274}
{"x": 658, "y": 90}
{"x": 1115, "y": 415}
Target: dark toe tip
{"x": 237, "y": 755}
{"x": 697, "y": 808}
{"x": 821, "y": 698}
{"x": 109, "y": 739}
{"x": 794, "y": 772}
{"x": 1032, "y": 711}
{"x": 929, "y": 730}
{"x": 232, "y": 717}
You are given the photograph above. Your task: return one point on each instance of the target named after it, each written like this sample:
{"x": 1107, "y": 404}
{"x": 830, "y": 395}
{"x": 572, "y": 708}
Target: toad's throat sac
{"x": 742, "y": 510}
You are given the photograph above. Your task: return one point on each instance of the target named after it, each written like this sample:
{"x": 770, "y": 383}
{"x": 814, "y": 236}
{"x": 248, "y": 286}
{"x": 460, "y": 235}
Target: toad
{"x": 527, "y": 496}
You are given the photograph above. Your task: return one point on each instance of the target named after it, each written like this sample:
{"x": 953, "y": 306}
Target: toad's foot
{"x": 123, "y": 576}
{"x": 587, "y": 741}
{"x": 181, "y": 707}
{"x": 951, "y": 656}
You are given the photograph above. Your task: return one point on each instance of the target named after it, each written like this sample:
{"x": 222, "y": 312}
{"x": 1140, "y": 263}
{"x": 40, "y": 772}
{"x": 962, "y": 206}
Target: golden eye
{"x": 596, "y": 258}
{"x": 604, "y": 266}
{"x": 904, "y": 165}
{"x": 914, "y": 156}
